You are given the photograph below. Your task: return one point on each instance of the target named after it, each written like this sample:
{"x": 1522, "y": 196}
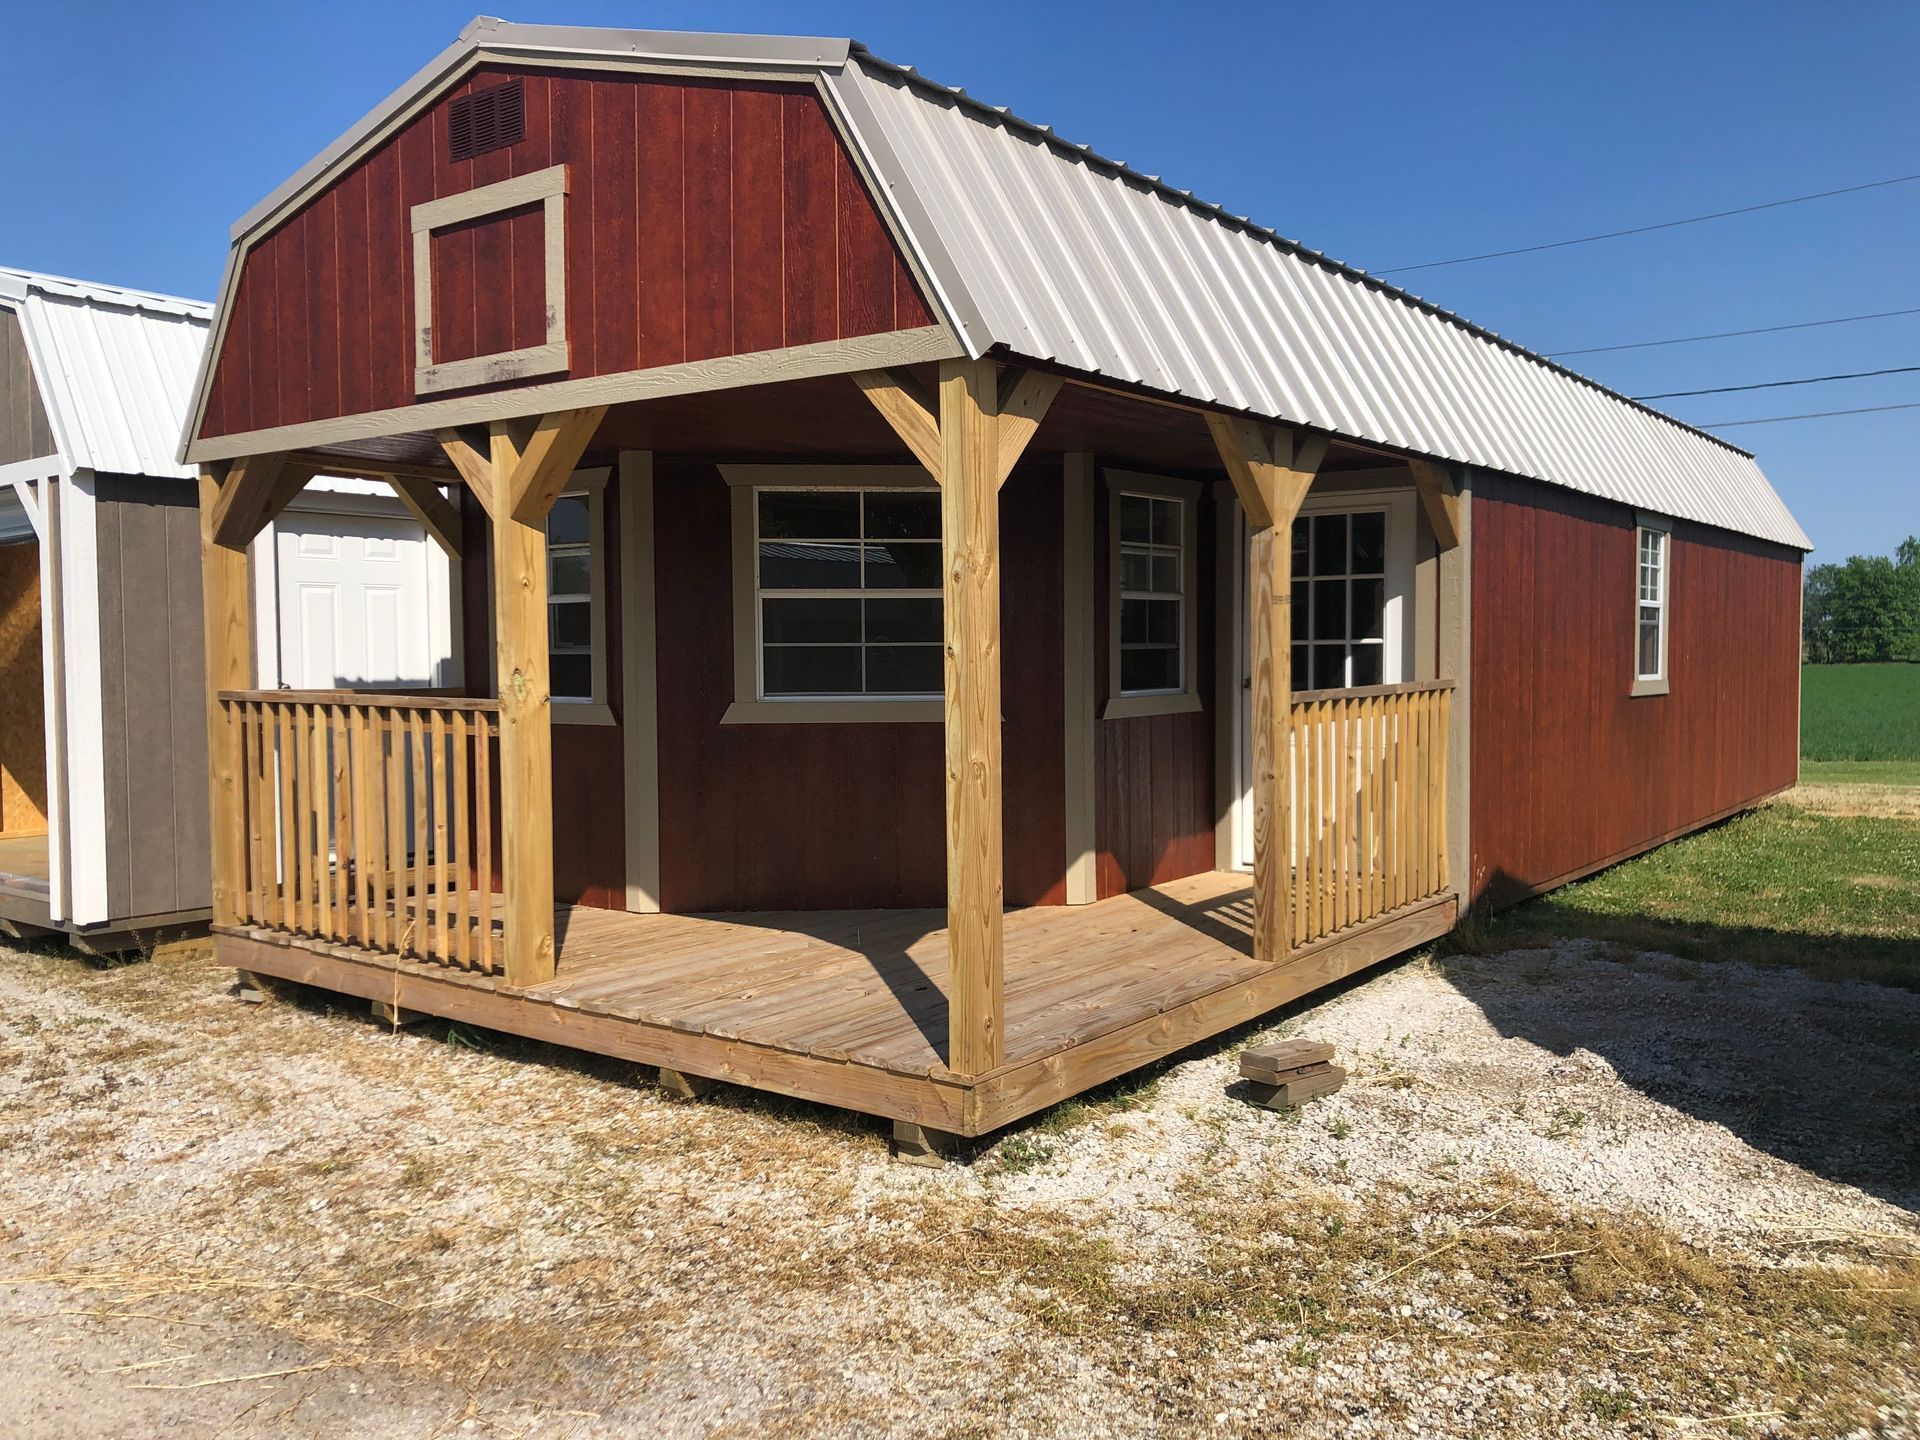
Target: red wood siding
{"x": 1153, "y": 775}
{"x": 705, "y": 218}
{"x": 766, "y": 817}
{"x": 1570, "y": 770}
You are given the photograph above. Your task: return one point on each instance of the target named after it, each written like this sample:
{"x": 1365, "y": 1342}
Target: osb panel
{"x": 23, "y": 740}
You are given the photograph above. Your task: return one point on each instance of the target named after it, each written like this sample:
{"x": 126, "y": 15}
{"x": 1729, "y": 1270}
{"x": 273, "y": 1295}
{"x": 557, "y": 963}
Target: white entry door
{"x": 1352, "y": 614}
{"x": 362, "y": 603}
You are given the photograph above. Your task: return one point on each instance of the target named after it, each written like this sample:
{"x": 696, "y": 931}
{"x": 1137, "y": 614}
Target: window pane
{"x": 1366, "y": 664}
{"x": 809, "y": 514}
{"x": 811, "y": 670}
{"x": 904, "y": 669}
{"x": 786, "y": 566}
{"x": 1369, "y": 543}
{"x": 1301, "y": 678}
{"x": 570, "y": 676}
{"x": 903, "y": 515}
{"x": 1166, "y": 572}
{"x": 567, "y": 521}
{"x": 906, "y": 565}
{"x": 1166, "y": 521}
{"x": 1329, "y": 544}
{"x": 570, "y": 572}
{"x": 903, "y": 622}
{"x": 1329, "y": 667}
{"x": 1301, "y": 607}
{"x": 1136, "y": 570}
{"x": 1649, "y": 643}
{"x": 571, "y": 624}
{"x": 1149, "y": 622}
{"x": 1302, "y": 557}
{"x": 1369, "y": 598}
{"x": 1149, "y": 670}
{"x": 810, "y": 621}
{"x": 1329, "y": 609}
{"x": 1136, "y": 523}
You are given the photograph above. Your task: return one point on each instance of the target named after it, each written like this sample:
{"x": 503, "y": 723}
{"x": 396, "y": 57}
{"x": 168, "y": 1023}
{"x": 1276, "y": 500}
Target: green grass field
{"x": 1860, "y": 712}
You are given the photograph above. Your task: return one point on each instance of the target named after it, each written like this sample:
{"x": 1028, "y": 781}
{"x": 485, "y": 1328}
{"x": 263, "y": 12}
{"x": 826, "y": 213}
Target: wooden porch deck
{"x": 850, "y": 1007}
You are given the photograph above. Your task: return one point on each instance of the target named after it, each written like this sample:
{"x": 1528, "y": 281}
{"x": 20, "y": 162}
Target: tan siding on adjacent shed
{"x": 152, "y": 706}
{"x": 24, "y": 431}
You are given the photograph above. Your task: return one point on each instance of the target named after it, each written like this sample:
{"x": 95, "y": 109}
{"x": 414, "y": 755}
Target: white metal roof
{"x": 1056, "y": 254}
{"x": 115, "y": 368}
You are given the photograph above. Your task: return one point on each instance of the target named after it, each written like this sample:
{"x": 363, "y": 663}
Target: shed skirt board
{"x": 849, "y": 1008}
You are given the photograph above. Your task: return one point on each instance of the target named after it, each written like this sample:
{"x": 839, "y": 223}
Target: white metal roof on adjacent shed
{"x": 115, "y": 368}
{"x": 1052, "y": 253}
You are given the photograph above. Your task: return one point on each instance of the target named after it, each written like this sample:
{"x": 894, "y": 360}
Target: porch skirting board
{"x": 1161, "y": 971}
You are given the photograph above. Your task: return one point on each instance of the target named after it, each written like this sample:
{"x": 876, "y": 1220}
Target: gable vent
{"x": 486, "y": 120}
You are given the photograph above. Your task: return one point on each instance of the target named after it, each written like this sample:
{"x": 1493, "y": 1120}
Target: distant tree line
{"x": 1866, "y": 609}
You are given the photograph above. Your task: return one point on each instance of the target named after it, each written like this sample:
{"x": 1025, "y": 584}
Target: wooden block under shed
{"x": 1288, "y": 1094}
{"x": 682, "y": 1086}
{"x": 397, "y": 1015}
{"x": 916, "y": 1145}
{"x": 1282, "y": 1058}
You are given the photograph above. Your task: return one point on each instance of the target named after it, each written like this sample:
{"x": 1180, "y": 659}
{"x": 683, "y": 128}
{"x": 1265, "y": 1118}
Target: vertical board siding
{"x": 769, "y": 817}
{"x": 705, "y": 218}
{"x": 152, "y": 697}
{"x": 24, "y": 431}
{"x": 1153, "y": 774}
{"x": 1570, "y": 770}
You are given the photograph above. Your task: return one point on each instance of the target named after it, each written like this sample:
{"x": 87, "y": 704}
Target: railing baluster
{"x": 423, "y": 921}
{"x": 483, "y": 839}
{"x": 442, "y": 802}
{"x": 462, "y": 949}
{"x": 396, "y": 872}
{"x": 316, "y": 820}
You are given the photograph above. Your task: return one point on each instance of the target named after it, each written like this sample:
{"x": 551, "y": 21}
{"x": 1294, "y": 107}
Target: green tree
{"x": 1865, "y": 610}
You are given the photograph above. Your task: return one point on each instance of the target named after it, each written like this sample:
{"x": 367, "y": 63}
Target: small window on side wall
{"x": 1152, "y": 618}
{"x": 1653, "y": 604}
{"x": 576, "y": 602}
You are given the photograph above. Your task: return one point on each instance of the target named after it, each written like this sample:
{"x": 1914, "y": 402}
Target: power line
{"x": 1648, "y": 229}
{"x": 1780, "y": 384}
{"x": 1811, "y": 415}
{"x": 1730, "y": 334}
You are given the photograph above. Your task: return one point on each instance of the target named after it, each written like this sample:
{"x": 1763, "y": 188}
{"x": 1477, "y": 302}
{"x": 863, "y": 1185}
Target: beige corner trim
{"x": 765, "y": 367}
{"x": 549, "y": 189}
{"x": 1454, "y": 637}
{"x": 1077, "y": 605}
{"x": 640, "y": 708}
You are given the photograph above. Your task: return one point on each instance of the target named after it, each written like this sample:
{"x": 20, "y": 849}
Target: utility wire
{"x": 1730, "y": 334}
{"x": 1811, "y": 415}
{"x": 1779, "y": 384}
{"x": 1648, "y": 229}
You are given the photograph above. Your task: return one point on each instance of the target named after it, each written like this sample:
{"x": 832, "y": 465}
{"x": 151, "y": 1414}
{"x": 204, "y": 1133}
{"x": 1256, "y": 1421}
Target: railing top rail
{"x": 1367, "y": 692}
{"x": 382, "y": 700}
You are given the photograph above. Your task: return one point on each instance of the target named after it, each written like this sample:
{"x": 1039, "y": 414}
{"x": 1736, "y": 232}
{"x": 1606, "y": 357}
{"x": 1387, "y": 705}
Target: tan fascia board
{"x": 765, "y": 367}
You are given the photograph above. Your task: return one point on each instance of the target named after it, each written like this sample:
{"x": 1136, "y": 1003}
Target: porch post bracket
{"x": 901, "y": 403}
{"x": 436, "y": 514}
{"x": 1440, "y": 499}
{"x": 1024, "y": 397}
{"x": 253, "y": 491}
{"x": 1272, "y": 469}
{"x": 473, "y": 460}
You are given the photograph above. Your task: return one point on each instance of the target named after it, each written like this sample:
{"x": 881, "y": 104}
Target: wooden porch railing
{"x": 367, "y": 820}
{"x": 1369, "y": 803}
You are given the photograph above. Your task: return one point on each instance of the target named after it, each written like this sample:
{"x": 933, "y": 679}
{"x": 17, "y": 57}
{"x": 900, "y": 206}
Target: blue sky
{"x": 1382, "y": 134}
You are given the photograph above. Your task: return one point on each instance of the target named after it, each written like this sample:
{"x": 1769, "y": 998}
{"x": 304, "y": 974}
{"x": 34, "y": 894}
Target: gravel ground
{"x": 1571, "y": 1192}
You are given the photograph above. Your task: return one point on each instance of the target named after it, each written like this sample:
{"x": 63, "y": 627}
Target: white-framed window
{"x": 1152, "y": 551}
{"x": 576, "y": 601}
{"x": 1340, "y": 599}
{"x": 838, "y": 615}
{"x": 1653, "y": 544}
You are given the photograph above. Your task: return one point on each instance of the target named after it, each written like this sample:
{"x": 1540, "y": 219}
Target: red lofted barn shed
{"x": 888, "y": 535}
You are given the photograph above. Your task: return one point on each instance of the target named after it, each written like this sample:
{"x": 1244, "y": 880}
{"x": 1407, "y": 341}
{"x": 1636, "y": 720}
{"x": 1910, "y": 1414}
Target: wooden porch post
{"x": 970, "y": 542}
{"x": 1271, "y": 471}
{"x": 528, "y": 466}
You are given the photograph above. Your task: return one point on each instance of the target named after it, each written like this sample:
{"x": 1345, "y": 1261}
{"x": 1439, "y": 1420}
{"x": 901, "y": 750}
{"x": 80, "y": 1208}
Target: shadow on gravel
{"x": 1824, "y": 1075}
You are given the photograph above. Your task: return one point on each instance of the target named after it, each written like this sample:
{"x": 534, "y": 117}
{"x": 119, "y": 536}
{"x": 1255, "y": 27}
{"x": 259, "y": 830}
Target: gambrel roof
{"x": 1049, "y": 252}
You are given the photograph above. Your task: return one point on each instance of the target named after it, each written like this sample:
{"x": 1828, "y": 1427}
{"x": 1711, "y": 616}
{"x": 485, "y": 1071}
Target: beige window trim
{"x": 1643, "y": 524}
{"x": 1185, "y": 700}
{"x": 547, "y": 187}
{"x": 748, "y": 707}
{"x": 592, "y": 486}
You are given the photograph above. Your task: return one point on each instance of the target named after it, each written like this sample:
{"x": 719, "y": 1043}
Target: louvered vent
{"x": 486, "y": 120}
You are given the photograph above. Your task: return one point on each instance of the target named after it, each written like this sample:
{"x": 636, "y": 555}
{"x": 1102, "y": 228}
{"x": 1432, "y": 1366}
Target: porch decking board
{"x": 849, "y": 1007}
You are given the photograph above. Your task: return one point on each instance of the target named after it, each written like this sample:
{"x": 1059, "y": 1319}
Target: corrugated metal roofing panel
{"x": 1061, "y": 256}
{"x": 116, "y": 368}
